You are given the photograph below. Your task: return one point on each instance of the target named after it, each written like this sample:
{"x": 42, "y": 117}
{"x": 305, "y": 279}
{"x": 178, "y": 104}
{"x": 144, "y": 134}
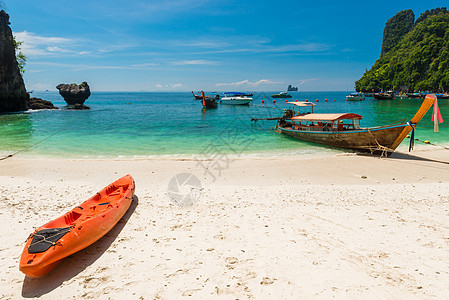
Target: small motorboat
{"x": 355, "y": 97}
{"x": 384, "y": 96}
{"x": 234, "y": 98}
{"x": 281, "y": 95}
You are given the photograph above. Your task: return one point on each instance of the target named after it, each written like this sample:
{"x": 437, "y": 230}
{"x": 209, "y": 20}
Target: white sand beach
{"x": 343, "y": 226}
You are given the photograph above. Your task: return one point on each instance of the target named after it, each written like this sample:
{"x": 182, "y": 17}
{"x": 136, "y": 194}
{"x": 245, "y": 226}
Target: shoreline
{"x": 336, "y": 226}
{"x": 317, "y": 151}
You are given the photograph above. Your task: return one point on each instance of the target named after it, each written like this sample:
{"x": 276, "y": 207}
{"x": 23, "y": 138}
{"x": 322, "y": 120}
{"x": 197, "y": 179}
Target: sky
{"x": 192, "y": 45}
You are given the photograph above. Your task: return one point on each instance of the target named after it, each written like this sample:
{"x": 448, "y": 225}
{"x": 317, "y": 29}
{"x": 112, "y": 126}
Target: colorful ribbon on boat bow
{"x": 436, "y": 116}
{"x": 412, "y": 136}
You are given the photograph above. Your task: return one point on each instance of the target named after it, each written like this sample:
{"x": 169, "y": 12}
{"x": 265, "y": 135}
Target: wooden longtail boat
{"x": 82, "y": 226}
{"x": 208, "y": 102}
{"x": 196, "y": 97}
{"x": 344, "y": 131}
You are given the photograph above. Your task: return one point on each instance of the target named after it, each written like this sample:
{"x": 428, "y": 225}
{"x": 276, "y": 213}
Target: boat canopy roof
{"x": 327, "y": 117}
{"x": 234, "y": 93}
{"x": 302, "y": 103}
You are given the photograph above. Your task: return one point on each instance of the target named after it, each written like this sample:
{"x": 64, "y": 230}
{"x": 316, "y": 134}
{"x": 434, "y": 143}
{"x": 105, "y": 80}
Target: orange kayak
{"x": 77, "y": 229}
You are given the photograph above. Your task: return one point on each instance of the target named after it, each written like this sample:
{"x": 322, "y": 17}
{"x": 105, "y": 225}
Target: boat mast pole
{"x": 425, "y": 106}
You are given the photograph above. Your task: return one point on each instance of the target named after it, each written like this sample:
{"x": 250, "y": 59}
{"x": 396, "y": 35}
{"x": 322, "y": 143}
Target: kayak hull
{"x": 76, "y": 229}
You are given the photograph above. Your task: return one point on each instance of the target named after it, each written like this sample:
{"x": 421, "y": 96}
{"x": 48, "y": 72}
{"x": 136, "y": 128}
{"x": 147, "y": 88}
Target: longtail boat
{"x": 196, "y": 97}
{"x": 82, "y": 226}
{"x": 208, "y": 102}
{"x": 342, "y": 130}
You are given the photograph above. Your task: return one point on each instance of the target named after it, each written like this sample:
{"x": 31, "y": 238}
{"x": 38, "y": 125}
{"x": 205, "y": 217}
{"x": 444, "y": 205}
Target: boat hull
{"x": 210, "y": 103}
{"x": 383, "y": 97}
{"x": 83, "y": 225}
{"x": 281, "y": 96}
{"x": 365, "y": 140}
{"x": 235, "y": 100}
{"x": 355, "y": 98}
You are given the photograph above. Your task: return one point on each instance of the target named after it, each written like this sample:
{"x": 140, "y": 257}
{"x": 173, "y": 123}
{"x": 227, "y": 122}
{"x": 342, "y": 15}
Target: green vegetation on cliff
{"x": 419, "y": 60}
{"x": 20, "y": 57}
{"x": 396, "y": 28}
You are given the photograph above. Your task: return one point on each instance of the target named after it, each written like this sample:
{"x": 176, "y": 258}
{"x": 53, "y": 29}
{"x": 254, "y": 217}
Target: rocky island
{"x": 291, "y": 88}
{"x": 74, "y": 94}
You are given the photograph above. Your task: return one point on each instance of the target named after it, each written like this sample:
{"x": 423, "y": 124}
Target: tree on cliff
{"x": 419, "y": 61}
{"x": 20, "y": 57}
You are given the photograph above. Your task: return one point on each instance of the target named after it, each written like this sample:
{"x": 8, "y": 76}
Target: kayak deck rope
{"x": 50, "y": 237}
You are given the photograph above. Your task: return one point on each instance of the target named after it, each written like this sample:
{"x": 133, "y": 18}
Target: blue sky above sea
{"x": 183, "y": 45}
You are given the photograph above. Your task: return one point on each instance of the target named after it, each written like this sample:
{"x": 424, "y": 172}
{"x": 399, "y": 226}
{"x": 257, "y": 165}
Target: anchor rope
{"x": 384, "y": 149}
{"x": 35, "y": 144}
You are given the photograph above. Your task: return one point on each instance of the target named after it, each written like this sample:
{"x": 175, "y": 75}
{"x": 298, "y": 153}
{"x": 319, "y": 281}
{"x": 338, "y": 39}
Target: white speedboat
{"x": 355, "y": 97}
{"x": 236, "y": 99}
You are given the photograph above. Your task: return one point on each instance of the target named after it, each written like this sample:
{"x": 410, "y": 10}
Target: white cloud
{"x": 40, "y": 87}
{"x": 169, "y": 86}
{"x": 194, "y": 62}
{"x": 145, "y": 65}
{"x": 302, "y": 81}
{"x": 80, "y": 67}
{"x": 247, "y": 82}
{"x": 34, "y": 45}
{"x": 58, "y": 49}
{"x": 264, "y": 47}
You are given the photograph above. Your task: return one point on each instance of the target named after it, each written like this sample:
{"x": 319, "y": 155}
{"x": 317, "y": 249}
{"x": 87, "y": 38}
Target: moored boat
{"x": 82, "y": 226}
{"x": 213, "y": 95}
{"x": 208, "y": 102}
{"x": 416, "y": 95}
{"x": 442, "y": 96}
{"x": 234, "y": 98}
{"x": 196, "y": 97}
{"x": 384, "y": 96}
{"x": 355, "y": 97}
{"x": 281, "y": 95}
{"x": 343, "y": 130}
{"x": 229, "y": 94}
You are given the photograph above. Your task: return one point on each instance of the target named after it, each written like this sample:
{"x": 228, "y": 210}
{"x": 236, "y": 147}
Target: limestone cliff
{"x": 13, "y": 95}
{"x": 395, "y": 28}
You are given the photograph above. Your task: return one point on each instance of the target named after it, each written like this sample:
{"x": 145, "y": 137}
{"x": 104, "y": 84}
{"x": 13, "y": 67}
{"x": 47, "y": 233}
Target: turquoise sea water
{"x": 132, "y": 124}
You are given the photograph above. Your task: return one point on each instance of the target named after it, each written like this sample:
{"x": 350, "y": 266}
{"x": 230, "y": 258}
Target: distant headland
{"x": 414, "y": 55}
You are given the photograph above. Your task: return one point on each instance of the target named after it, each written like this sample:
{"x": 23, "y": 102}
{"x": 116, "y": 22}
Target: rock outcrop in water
{"x": 79, "y": 107}
{"x": 73, "y": 93}
{"x": 13, "y": 94}
{"x": 38, "y": 103}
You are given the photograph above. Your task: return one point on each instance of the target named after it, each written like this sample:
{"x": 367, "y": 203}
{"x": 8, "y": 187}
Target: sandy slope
{"x": 344, "y": 226}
